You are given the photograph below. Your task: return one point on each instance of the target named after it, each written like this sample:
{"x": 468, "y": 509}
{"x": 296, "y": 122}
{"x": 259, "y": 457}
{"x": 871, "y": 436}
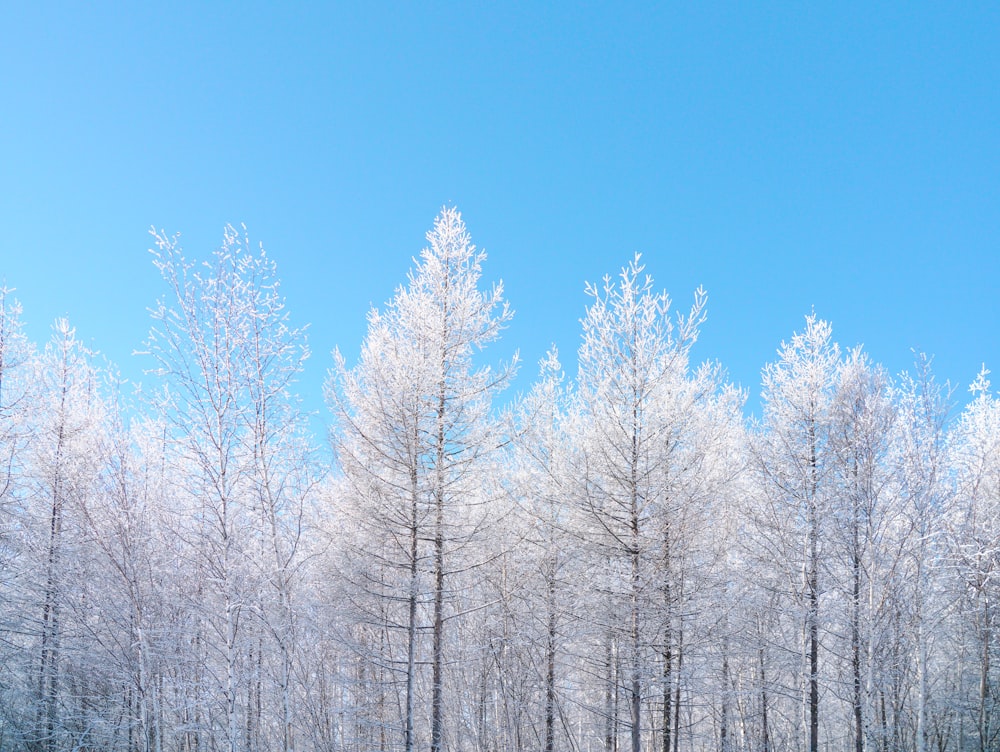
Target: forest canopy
{"x": 618, "y": 560}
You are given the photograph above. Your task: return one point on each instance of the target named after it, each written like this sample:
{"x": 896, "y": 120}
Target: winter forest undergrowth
{"x": 619, "y": 562}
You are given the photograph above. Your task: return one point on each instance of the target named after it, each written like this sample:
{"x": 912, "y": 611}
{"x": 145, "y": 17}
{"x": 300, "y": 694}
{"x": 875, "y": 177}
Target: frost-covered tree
{"x": 542, "y": 567}
{"x": 796, "y": 470}
{"x": 647, "y": 422}
{"x": 281, "y": 477}
{"x": 543, "y": 447}
{"x": 127, "y": 586}
{"x": 16, "y": 397}
{"x": 919, "y": 461}
{"x": 975, "y": 551}
{"x": 15, "y": 393}
{"x": 414, "y": 429}
{"x": 863, "y": 540}
{"x": 228, "y": 358}
{"x": 60, "y": 476}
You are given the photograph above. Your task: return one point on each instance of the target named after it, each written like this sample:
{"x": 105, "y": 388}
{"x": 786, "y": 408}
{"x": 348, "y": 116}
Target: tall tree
{"x": 282, "y": 472}
{"x": 862, "y": 421}
{"x": 16, "y": 398}
{"x": 635, "y": 394}
{"x": 541, "y": 465}
{"x": 228, "y": 359}
{"x": 64, "y": 471}
{"x": 919, "y": 461}
{"x": 415, "y": 426}
{"x": 975, "y": 547}
{"x": 15, "y": 393}
{"x": 795, "y": 465}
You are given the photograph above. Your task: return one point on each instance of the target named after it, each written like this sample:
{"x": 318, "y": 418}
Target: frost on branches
{"x": 619, "y": 559}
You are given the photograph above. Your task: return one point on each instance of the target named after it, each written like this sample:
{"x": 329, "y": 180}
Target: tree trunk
{"x": 813, "y": 595}
{"x": 610, "y": 696}
{"x": 438, "y": 648}
{"x": 411, "y": 624}
{"x": 859, "y": 733}
{"x": 677, "y": 690}
{"x": 765, "y": 732}
{"x": 550, "y": 660}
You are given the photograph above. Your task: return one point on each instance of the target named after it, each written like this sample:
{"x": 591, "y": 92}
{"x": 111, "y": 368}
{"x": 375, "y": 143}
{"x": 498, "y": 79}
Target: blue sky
{"x": 789, "y": 156}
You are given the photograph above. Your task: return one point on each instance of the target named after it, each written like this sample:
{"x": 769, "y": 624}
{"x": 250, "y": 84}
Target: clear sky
{"x": 842, "y": 156}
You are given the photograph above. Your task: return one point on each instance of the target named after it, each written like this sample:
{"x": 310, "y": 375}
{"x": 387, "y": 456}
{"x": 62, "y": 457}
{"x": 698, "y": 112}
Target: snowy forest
{"x": 618, "y": 560}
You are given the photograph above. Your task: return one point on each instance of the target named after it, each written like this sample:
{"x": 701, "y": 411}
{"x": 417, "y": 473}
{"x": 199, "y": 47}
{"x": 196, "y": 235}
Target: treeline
{"x": 618, "y": 562}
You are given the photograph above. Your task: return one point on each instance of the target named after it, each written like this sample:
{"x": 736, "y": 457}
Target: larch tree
{"x": 282, "y": 473}
{"x": 862, "y": 422}
{"x": 634, "y": 394}
{"x": 381, "y": 409}
{"x": 975, "y": 551}
{"x": 16, "y": 397}
{"x": 918, "y": 458}
{"x": 795, "y": 467}
{"x": 63, "y": 471}
{"x": 549, "y": 570}
{"x": 414, "y": 427}
{"x": 124, "y": 522}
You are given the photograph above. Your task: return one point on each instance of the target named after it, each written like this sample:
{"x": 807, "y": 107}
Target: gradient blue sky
{"x": 843, "y": 156}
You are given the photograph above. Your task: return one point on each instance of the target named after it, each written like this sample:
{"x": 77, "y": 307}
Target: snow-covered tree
{"x": 795, "y": 465}
{"x": 975, "y": 553}
{"x": 61, "y": 475}
{"x": 647, "y": 423}
{"x": 919, "y": 461}
{"x": 16, "y": 398}
{"x": 228, "y": 358}
{"x": 414, "y": 429}
{"x": 863, "y": 540}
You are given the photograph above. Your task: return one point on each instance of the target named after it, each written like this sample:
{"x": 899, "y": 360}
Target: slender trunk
{"x": 258, "y": 695}
{"x": 284, "y": 632}
{"x": 636, "y": 689}
{"x": 248, "y": 717}
{"x": 610, "y": 695}
{"x": 550, "y": 656}
{"x": 885, "y": 723}
{"x": 668, "y": 688}
{"x": 231, "y": 678}
{"x": 48, "y": 678}
{"x": 856, "y": 641}
{"x": 813, "y": 650}
{"x": 813, "y": 596}
{"x": 145, "y": 722}
{"x": 859, "y": 733}
{"x": 383, "y": 740}
{"x": 636, "y": 696}
{"x": 921, "y": 651}
{"x": 287, "y": 740}
{"x": 870, "y": 691}
{"x": 724, "y": 715}
{"x": 438, "y": 648}
{"x": 130, "y": 710}
{"x": 677, "y": 690}
{"x": 411, "y": 626}
{"x": 667, "y": 642}
{"x": 984, "y": 682}
{"x": 765, "y": 730}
